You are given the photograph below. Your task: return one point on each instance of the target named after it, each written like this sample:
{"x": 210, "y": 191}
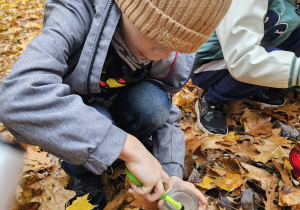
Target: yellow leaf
{"x": 230, "y": 181}
{"x": 287, "y": 166}
{"x": 81, "y": 203}
{"x": 232, "y": 137}
{"x": 207, "y": 183}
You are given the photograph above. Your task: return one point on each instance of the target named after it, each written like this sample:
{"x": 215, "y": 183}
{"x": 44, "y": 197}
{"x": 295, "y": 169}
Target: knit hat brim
{"x": 161, "y": 21}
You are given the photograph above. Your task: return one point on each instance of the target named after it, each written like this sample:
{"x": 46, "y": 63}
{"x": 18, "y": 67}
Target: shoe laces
{"x": 214, "y": 106}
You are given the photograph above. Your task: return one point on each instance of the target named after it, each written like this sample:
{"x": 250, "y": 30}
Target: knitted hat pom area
{"x": 179, "y": 25}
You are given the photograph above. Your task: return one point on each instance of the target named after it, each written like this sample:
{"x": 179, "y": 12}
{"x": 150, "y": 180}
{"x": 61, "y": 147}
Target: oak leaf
{"x": 54, "y": 195}
{"x": 262, "y": 176}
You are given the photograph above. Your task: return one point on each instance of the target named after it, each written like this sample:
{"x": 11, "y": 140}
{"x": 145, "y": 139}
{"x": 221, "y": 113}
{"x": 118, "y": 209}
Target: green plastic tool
{"x": 177, "y": 205}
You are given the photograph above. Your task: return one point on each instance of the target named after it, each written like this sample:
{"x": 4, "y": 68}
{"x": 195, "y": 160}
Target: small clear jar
{"x": 184, "y": 196}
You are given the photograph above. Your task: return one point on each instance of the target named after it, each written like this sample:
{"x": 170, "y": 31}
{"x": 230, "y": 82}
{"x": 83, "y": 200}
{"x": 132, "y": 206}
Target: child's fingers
{"x": 200, "y": 197}
{"x": 144, "y": 190}
{"x": 202, "y": 207}
{"x": 158, "y": 190}
{"x": 203, "y": 200}
{"x": 160, "y": 204}
{"x": 165, "y": 177}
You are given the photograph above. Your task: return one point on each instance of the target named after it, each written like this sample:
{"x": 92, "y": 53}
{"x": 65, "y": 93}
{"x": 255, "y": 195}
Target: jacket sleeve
{"x": 169, "y": 144}
{"x": 240, "y": 34}
{"x": 37, "y": 108}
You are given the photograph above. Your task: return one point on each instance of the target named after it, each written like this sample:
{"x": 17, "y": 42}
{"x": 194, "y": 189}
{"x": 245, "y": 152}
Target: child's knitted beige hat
{"x": 179, "y": 25}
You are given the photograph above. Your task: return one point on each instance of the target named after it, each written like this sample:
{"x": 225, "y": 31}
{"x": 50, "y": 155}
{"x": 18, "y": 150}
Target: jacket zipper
{"x": 96, "y": 49}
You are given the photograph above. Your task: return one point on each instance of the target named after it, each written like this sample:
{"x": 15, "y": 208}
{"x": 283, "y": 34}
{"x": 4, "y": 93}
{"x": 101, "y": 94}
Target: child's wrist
{"x": 131, "y": 149}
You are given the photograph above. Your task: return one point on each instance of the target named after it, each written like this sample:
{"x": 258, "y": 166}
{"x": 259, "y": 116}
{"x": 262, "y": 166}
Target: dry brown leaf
{"x": 232, "y": 173}
{"x": 284, "y": 176}
{"x": 26, "y": 191}
{"x": 117, "y": 202}
{"x": 193, "y": 139}
{"x": 287, "y": 113}
{"x": 271, "y": 196}
{"x": 295, "y": 207}
{"x": 233, "y": 111}
{"x": 268, "y": 151}
{"x": 256, "y": 125}
{"x": 178, "y": 100}
{"x": 217, "y": 169}
{"x": 281, "y": 141}
{"x": 260, "y": 175}
{"x": 54, "y": 195}
{"x": 212, "y": 142}
{"x": 37, "y": 161}
{"x": 290, "y": 198}
{"x": 246, "y": 149}
{"x": 141, "y": 202}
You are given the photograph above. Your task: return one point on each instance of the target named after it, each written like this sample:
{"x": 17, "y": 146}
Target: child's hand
{"x": 177, "y": 182}
{"x": 144, "y": 166}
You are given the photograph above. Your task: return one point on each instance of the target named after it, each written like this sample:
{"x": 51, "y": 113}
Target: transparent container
{"x": 184, "y": 196}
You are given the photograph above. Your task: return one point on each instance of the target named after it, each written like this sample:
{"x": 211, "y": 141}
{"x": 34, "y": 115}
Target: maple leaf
{"x": 141, "y": 202}
{"x": 255, "y": 124}
{"x": 37, "y": 161}
{"x": 81, "y": 203}
{"x": 54, "y": 195}
{"x": 288, "y": 113}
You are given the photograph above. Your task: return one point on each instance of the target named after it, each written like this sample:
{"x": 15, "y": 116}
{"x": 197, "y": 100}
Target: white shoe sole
{"x": 251, "y": 102}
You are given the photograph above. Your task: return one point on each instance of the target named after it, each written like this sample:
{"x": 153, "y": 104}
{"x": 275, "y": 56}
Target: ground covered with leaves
{"x": 247, "y": 169}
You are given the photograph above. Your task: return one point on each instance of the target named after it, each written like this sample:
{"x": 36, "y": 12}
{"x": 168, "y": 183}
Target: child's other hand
{"x": 143, "y": 165}
{"x": 177, "y": 182}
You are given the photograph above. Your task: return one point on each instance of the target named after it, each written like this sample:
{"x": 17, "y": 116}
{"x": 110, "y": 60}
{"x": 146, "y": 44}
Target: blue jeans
{"x": 140, "y": 109}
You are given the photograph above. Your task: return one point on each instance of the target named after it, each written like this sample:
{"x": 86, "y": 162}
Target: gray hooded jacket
{"x": 40, "y": 98}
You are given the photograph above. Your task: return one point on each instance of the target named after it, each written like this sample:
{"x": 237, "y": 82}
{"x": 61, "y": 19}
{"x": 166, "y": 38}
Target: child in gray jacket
{"x": 96, "y": 86}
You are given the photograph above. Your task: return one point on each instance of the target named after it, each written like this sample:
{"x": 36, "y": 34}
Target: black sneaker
{"x": 83, "y": 184}
{"x": 267, "y": 99}
{"x": 210, "y": 117}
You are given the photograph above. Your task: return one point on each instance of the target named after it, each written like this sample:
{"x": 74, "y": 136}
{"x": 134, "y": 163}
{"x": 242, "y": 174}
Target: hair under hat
{"x": 179, "y": 25}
